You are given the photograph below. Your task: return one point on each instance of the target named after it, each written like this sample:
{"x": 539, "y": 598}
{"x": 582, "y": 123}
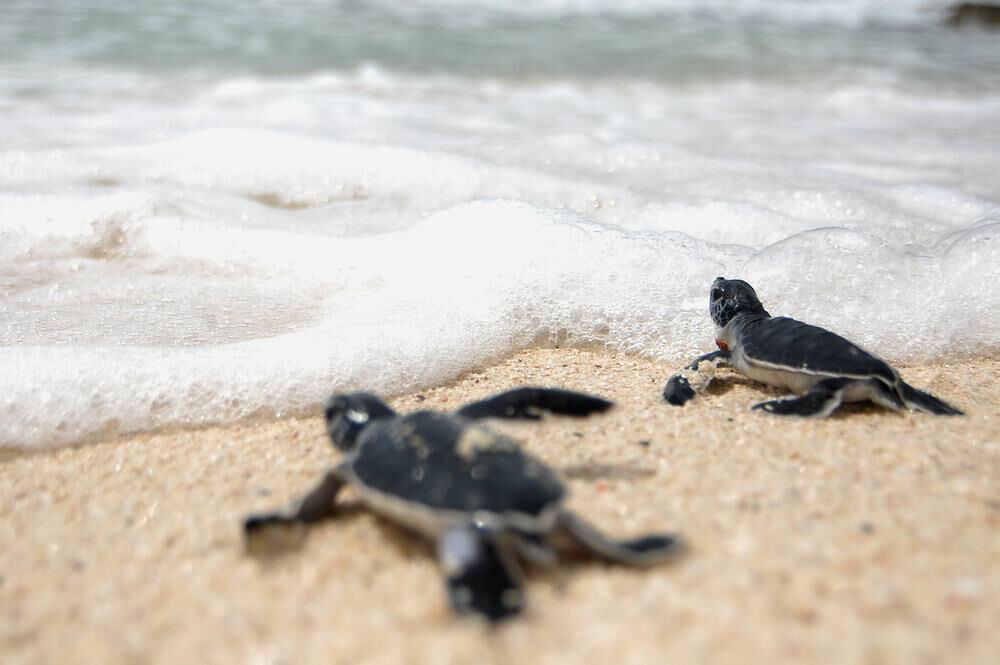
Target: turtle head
{"x": 349, "y": 413}
{"x": 730, "y": 297}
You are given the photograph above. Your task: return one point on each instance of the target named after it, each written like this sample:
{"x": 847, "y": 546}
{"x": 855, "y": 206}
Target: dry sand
{"x": 870, "y": 537}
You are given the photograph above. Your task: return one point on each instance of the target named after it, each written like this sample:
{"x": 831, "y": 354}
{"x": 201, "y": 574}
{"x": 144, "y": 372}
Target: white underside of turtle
{"x": 800, "y": 382}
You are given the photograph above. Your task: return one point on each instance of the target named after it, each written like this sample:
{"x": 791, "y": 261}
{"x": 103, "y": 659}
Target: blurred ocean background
{"x": 213, "y": 210}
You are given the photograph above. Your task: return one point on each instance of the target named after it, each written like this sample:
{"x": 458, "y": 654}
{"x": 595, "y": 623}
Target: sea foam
{"x": 201, "y": 250}
{"x": 401, "y": 310}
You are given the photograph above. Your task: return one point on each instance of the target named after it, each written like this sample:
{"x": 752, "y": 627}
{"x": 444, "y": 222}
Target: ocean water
{"x": 217, "y": 210}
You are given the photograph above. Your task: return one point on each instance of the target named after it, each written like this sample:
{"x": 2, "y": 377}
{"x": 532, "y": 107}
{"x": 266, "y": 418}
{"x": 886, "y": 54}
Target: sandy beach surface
{"x": 869, "y": 537}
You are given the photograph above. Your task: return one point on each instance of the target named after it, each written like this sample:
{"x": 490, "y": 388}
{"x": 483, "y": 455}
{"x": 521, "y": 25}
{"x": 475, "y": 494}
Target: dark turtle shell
{"x": 448, "y": 462}
{"x": 794, "y": 345}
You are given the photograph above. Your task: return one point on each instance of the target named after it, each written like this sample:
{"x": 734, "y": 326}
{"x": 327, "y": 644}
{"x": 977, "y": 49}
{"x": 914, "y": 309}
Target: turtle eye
{"x": 716, "y": 294}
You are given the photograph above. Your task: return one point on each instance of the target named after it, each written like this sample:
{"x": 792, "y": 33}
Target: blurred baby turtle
{"x": 487, "y": 504}
{"x": 819, "y": 366}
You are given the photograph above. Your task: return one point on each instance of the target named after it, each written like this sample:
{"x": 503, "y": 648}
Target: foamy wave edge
{"x": 479, "y": 281}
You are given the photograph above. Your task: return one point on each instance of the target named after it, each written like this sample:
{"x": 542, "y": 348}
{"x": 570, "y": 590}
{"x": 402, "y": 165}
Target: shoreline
{"x": 666, "y": 367}
{"x": 868, "y": 536}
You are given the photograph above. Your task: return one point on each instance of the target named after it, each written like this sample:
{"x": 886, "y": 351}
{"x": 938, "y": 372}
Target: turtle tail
{"x": 921, "y": 401}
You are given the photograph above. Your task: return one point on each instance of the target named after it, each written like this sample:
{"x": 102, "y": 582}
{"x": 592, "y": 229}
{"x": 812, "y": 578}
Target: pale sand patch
{"x": 869, "y": 537}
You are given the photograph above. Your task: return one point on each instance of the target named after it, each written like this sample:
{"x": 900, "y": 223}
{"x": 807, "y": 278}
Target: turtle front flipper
{"x": 269, "y": 532}
{"x": 530, "y": 403}
{"x": 819, "y": 402}
{"x": 918, "y": 400}
{"x": 576, "y": 533}
{"x": 694, "y": 378}
{"x": 481, "y": 573}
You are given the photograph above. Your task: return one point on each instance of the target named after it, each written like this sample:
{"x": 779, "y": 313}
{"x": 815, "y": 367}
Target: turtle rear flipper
{"x": 530, "y": 403}
{"x": 819, "y": 402}
{"x": 645, "y": 551}
{"x": 921, "y": 401}
{"x": 481, "y": 573}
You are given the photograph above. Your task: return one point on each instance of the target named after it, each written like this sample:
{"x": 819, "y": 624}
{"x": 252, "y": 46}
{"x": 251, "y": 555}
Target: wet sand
{"x": 869, "y": 537}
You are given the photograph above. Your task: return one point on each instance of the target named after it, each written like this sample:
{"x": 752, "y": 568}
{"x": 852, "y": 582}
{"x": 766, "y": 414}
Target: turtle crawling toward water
{"x": 819, "y": 366}
{"x": 486, "y": 504}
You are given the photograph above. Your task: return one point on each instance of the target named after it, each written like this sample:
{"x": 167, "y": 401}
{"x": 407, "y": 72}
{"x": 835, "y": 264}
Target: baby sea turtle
{"x": 485, "y": 502}
{"x": 823, "y": 368}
